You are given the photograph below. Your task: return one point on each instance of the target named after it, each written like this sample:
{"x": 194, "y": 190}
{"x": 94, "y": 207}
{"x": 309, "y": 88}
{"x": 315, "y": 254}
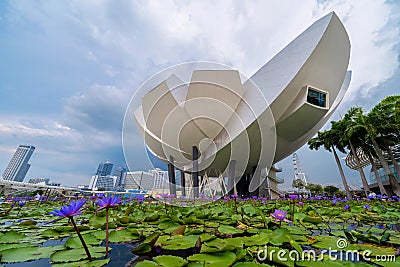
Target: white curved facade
{"x": 318, "y": 58}
{"x": 255, "y": 122}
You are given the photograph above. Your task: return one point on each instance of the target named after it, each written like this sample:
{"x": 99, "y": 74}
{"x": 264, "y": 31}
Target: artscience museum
{"x": 211, "y": 121}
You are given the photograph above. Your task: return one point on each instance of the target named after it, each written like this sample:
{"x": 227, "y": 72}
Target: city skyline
{"x": 87, "y": 60}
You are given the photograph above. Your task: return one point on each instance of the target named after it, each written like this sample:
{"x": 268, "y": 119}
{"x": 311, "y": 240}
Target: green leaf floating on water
{"x": 146, "y": 263}
{"x": 167, "y": 224}
{"x": 249, "y": 210}
{"x": 229, "y": 230}
{"x": 70, "y": 228}
{"x": 119, "y": 236}
{"x": 77, "y": 254}
{"x": 312, "y": 219}
{"x": 15, "y": 245}
{"x": 21, "y": 254}
{"x": 178, "y": 242}
{"x": 99, "y": 234}
{"x": 75, "y": 242}
{"x": 97, "y": 221}
{"x": 11, "y": 237}
{"x": 51, "y": 233}
{"x": 280, "y": 236}
{"x": 326, "y": 242}
{"x": 86, "y": 263}
{"x": 219, "y": 244}
{"x": 257, "y": 240}
{"x": 170, "y": 261}
{"x": 222, "y": 259}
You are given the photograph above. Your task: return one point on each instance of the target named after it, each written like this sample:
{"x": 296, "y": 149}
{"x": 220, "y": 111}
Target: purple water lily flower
{"x": 140, "y": 198}
{"x": 70, "y": 210}
{"x": 106, "y": 202}
{"x": 280, "y": 215}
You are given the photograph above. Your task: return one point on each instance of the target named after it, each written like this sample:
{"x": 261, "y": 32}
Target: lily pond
{"x": 226, "y": 232}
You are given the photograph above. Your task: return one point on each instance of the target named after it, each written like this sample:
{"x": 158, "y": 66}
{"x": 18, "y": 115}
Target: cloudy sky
{"x": 69, "y": 68}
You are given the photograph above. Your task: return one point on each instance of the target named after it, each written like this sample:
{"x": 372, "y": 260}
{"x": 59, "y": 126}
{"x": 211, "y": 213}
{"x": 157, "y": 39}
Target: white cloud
{"x": 26, "y": 129}
{"x": 374, "y": 32}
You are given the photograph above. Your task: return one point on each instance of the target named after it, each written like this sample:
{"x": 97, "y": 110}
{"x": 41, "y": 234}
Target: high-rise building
{"x": 18, "y": 167}
{"x": 121, "y": 177}
{"x": 102, "y": 182}
{"x": 104, "y": 168}
{"x": 155, "y": 179}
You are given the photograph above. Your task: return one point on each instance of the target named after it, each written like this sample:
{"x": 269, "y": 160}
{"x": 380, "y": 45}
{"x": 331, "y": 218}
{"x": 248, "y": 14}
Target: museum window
{"x": 316, "y": 98}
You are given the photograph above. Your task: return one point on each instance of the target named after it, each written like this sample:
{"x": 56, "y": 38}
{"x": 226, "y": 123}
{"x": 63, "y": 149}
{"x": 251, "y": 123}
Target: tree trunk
{"x": 346, "y": 187}
{"x": 378, "y": 178}
{"x": 360, "y": 170}
{"x": 392, "y": 180}
{"x": 394, "y": 161}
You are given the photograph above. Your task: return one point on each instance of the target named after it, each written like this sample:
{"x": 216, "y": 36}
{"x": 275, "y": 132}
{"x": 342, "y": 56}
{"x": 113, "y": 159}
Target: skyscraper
{"x": 104, "y": 168}
{"x": 121, "y": 177}
{"x": 18, "y": 167}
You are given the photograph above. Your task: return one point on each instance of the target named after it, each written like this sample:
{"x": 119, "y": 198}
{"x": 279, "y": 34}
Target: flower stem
{"x": 106, "y": 231}
{"x": 81, "y": 238}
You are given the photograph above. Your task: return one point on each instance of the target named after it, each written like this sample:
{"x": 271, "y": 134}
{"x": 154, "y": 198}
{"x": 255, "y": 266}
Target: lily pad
{"x": 170, "y": 261}
{"x": 21, "y": 254}
{"x": 146, "y": 263}
{"x": 178, "y": 242}
{"x": 12, "y": 237}
{"x": 94, "y": 263}
{"x": 15, "y": 245}
{"x": 119, "y": 236}
{"x": 229, "y": 230}
{"x": 75, "y": 242}
{"x": 77, "y": 254}
{"x": 222, "y": 259}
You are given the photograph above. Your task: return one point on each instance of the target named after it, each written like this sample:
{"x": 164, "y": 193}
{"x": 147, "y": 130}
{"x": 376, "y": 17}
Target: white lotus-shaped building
{"x": 221, "y": 123}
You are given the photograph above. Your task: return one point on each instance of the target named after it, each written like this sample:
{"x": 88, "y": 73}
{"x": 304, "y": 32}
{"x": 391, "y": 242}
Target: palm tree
{"x": 370, "y": 126}
{"x": 377, "y": 176}
{"x": 367, "y": 149}
{"x": 329, "y": 140}
{"x": 387, "y": 114}
{"x": 348, "y": 140}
